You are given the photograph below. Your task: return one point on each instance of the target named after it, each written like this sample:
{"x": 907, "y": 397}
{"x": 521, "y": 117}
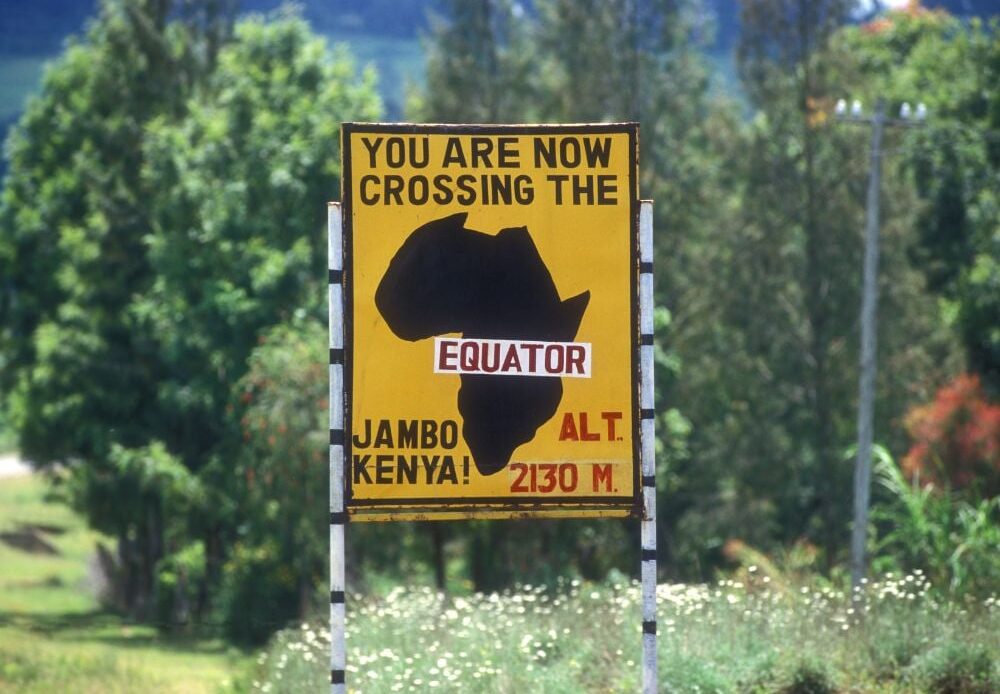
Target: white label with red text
{"x": 511, "y": 357}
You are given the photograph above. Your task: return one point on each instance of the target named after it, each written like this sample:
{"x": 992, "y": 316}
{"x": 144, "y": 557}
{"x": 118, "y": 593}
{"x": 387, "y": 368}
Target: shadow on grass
{"x": 110, "y": 628}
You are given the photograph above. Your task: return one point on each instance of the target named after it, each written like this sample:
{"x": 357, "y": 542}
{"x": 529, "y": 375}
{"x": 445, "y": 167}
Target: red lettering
{"x": 518, "y": 484}
{"x": 575, "y": 355}
{"x": 446, "y": 357}
{"x": 568, "y": 477}
{"x": 554, "y": 358}
{"x": 584, "y": 434}
{"x": 511, "y": 362}
{"x": 611, "y": 418}
{"x": 602, "y": 473}
{"x": 470, "y": 356}
{"x": 568, "y": 430}
{"x": 532, "y": 350}
{"x": 548, "y": 477}
{"x": 487, "y": 349}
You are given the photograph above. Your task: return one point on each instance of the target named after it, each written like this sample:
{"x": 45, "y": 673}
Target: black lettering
{"x": 481, "y": 148}
{"x": 583, "y": 188}
{"x": 507, "y": 154}
{"x": 544, "y": 150}
{"x": 363, "y": 443}
{"x": 366, "y": 198}
{"x": 383, "y": 435}
{"x": 428, "y": 433}
{"x": 500, "y": 189}
{"x": 607, "y": 189}
{"x": 468, "y": 196}
{"x": 448, "y": 472}
{"x": 419, "y": 160}
{"x": 444, "y": 194}
{"x": 558, "y": 179}
{"x": 569, "y": 152}
{"x": 449, "y": 434}
{"x": 524, "y": 192}
{"x": 383, "y": 469}
{"x": 406, "y": 467}
{"x": 418, "y": 198}
{"x": 393, "y": 189}
{"x": 360, "y": 468}
{"x": 407, "y": 433}
{"x": 598, "y": 151}
{"x": 430, "y": 464}
{"x": 453, "y": 153}
{"x": 372, "y": 148}
{"x": 395, "y": 152}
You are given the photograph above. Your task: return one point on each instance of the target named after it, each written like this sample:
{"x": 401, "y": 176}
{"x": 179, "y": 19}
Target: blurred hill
{"x": 382, "y": 33}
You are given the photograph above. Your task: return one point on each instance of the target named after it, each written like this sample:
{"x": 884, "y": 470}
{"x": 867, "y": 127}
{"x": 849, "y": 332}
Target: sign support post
{"x": 648, "y": 530}
{"x": 500, "y": 279}
{"x": 338, "y": 515}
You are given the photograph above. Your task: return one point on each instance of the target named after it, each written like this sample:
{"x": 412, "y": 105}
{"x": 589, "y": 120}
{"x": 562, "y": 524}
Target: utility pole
{"x": 866, "y": 386}
{"x": 869, "y": 327}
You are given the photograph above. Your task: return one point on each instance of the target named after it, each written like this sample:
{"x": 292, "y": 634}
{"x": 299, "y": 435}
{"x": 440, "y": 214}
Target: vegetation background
{"x": 162, "y": 321}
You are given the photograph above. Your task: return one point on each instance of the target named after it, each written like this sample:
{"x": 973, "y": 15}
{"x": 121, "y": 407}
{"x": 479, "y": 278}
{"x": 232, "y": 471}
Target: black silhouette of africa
{"x": 449, "y": 279}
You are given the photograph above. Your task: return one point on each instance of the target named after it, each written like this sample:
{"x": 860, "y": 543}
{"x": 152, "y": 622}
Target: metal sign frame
{"x": 519, "y": 506}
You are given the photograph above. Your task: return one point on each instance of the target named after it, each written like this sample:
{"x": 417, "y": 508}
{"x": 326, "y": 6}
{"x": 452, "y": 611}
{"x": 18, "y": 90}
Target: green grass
{"x": 731, "y": 637}
{"x": 55, "y": 637}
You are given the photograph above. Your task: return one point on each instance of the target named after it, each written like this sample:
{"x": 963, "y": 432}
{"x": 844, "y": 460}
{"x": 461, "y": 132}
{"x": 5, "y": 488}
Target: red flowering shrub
{"x": 956, "y": 439}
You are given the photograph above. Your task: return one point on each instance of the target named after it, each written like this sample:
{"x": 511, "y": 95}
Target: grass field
{"x": 757, "y": 634}
{"x": 54, "y": 637}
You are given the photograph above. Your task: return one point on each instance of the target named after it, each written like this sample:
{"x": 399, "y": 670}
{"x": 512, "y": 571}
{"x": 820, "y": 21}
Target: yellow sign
{"x": 491, "y": 321}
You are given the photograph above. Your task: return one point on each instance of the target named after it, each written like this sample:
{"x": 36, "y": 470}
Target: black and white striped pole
{"x": 338, "y": 515}
{"x": 648, "y": 522}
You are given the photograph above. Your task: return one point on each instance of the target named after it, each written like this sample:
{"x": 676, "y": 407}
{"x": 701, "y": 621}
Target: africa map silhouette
{"x": 446, "y": 278}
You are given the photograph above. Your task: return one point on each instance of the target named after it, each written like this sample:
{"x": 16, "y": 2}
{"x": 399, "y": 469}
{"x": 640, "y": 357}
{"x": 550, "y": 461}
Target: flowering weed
{"x": 733, "y": 636}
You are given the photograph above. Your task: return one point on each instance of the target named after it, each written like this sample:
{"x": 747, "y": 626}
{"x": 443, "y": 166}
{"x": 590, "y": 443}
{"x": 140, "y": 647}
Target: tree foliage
{"x": 164, "y": 208}
{"x": 954, "y": 160}
{"x": 956, "y": 439}
{"x": 163, "y": 286}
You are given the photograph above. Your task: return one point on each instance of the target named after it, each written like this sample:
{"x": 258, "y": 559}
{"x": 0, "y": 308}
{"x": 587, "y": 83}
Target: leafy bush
{"x": 956, "y": 439}
{"x": 810, "y": 676}
{"x": 259, "y": 593}
{"x": 956, "y": 669}
{"x": 955, "y": 541}
{"x": 179, "y": 579}
{"x": 686, "y": 675}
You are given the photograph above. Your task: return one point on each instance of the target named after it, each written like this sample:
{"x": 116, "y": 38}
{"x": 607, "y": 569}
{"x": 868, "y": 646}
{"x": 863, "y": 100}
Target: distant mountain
{"x": 33, "y": 27}
{"x": 384, "y": 33}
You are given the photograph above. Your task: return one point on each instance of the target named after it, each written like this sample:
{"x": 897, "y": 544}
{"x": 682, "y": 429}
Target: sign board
{"x": 491, "y": 361}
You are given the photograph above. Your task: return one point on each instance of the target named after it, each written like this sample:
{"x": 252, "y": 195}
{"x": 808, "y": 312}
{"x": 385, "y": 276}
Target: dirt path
{"x": 11, "y": 465}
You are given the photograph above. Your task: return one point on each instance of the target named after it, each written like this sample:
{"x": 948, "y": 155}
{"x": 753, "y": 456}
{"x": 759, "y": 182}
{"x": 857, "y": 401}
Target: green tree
{"x": 164, "y": 207}
{"x": 592, "y": 62}
{"x": 74, "y": 210}
{"x": 954, "y": 160}
{"x": 769, "y": 298}
{"x": 480, "y": 65}
{"x": 238, "y": 241}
